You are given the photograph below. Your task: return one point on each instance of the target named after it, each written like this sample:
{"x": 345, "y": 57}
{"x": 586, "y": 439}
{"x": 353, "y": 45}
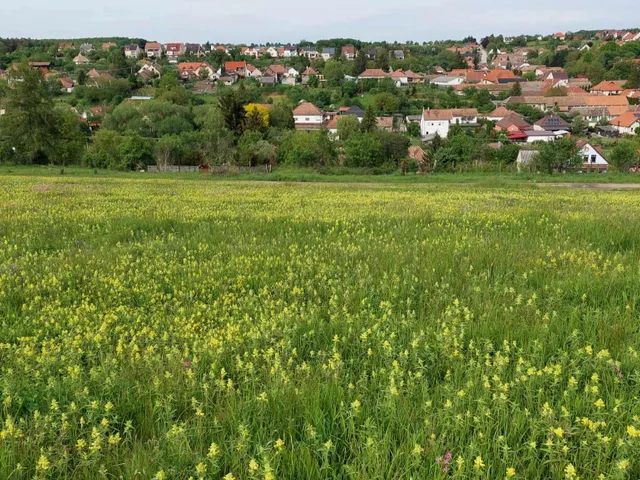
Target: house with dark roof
{"x": 310, "y": 52}
{"x": 398, "y": 54}
{"x": 328, "y": 53}
{"x": 132, "y": 51}
{"x": 194, "y": 49}
{"x": 552, "y": 123}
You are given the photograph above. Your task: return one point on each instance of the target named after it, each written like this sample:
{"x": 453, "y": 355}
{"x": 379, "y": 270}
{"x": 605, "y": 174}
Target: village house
{"x": 385, "y": 123}
{"x": 306, "y": 75}
{"x": 193, "y": 49}
{"x": 552, "y": 123}
{"x": 498, "y": 114}
{"x": 42, "y": 66}
{"x": 353, "y": 110}
{"x": 290, "y": 51}
{"x": 251, "y": 52}
{"x": 64, "y": 46}
{"x": 593, "y": 157}
{"x": 447, "y": 81}
{"x": 328, "y": 53}
{"x": 373, "y": 74}
{"x": 616, "y": 104}
{"x": 400, "y": 78}
{"x": 174, "y": 51}
{"x": 153, "y": 50}
{"x": 310, "y": 52}
{"x": 276, "y": 71}
{"x": 81, "y": 60}
{"x": 240, "y": 68}
{"x": 149, "y": 70}
{"x": 108, "y": 45}
{"x": 631, "y": 37}
{"x": 608, "y": 87}
{"x": 86, "y": 48}
{"x": 308, "y": 117}
{"x": 195, "y": 70}
{"x": 272, "y": 51}
{"x": 437, "y": 122}
{"x": 398, "y": 54}
{"x": 627, "y": 123}
{"x": 592, "y": 115}
{"x": 67, "y": 84}
{"x": 132, "y": 51}
{"x": 253, "y": 72}
{"x": 512, "y": 123}
{"x": 349, "y": 52}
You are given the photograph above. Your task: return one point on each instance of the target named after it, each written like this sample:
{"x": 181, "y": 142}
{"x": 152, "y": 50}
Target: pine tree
{"x": 369, "y": 122}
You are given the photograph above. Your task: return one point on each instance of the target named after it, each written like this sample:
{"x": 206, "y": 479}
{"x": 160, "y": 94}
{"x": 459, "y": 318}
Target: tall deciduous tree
{"x": 34, "y": 130}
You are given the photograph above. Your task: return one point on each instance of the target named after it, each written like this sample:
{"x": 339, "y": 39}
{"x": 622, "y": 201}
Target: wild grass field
{"x": 176, "y": 329}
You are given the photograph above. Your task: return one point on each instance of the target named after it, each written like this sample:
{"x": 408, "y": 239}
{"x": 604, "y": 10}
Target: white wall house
{"x": 439, "y": 121}
{"x": 307, "y": 116}
{"x": 445, "y": 81}
{"x": 593, "y": 158}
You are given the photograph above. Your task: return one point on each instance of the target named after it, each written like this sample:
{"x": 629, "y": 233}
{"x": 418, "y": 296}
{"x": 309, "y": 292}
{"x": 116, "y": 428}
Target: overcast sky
{"x": 259, "y": 21}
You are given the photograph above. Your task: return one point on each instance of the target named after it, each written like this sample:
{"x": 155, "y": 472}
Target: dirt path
{"x": 594, "y": 186}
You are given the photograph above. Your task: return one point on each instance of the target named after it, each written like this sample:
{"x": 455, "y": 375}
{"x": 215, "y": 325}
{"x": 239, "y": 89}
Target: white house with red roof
{"x": 153, "y": 50}
{"x": 308, "y": 117}
{"x": 627, "y": 123}
{"x": 174, "y": 51}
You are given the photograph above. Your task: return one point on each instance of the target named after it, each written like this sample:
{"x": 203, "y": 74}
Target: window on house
{"x": 593, "y": 159}
{"x": 586, "y": 159}
{"x": 306, "y": 119}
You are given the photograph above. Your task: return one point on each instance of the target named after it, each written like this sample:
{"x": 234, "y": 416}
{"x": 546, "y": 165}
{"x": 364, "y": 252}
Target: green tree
{"x": 386, "y": 102}
{"x": 363, "y": 149}
{"x": 33, "y": 129}
{"x": 579, "y": 125}
{"x": 558, "y": 155}
{"x": 253, "y": 150}
{"x": 347, "y": 126}
{"x": 624, "y": 156}
{"x": 334, "y": 73}
{"x": 281, "y": 117}
{"x": 634, "y": 78}
{"x": 136, "y": 151}
{"x": 360, "y": 63}
{"x": 233, "y": 112}
{"x": 394, "y": 145}
{"x": 218, "y": 139}
{"x": 516, "y": 90}
{"x": 105, "y": 151}
{"x": 369, "y": 121}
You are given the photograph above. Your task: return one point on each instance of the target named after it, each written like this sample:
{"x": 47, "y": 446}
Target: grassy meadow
{"x": 182, "y": 328}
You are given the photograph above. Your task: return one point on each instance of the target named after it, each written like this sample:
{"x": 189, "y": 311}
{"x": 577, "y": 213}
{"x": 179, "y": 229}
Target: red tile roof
{"x": 627, "y": 119}
{"x": 307, "y": 108}
{"x": 233, "y": 66}
{"x": 607, "y": 86}
{"x": 373, "y": 73}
